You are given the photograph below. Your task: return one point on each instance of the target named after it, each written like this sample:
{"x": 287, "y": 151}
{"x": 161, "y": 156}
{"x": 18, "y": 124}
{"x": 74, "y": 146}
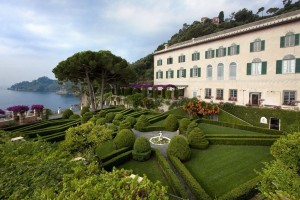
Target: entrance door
{"x": 274, "y": 123}
{"x": 255, "y": 99}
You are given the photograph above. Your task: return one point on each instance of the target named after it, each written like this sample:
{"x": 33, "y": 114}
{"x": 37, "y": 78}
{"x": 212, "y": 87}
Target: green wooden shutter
{"x": 198, "y": 56}
{"x": 199, "y": 72}
{"x": 184, "y": 73}
{"x": 172, "y": 74}
{"x": 156, "y": 75}
{"x": 193, "y": 55}
{"x": 205, "y": 54}
{"x": 279, "y": 67}
{"x": 282, "y": 43}
{"x": 229, "y": 51}
{"x": 297, "y": 37}
{"x": 217, "y": 52}
{"x": 183, "y": 58}
{"x": 224, "y": 51}
{"x": 238, "y": 49}
{"x": 251, "y": 46}
{"x": 178, "y": 59}
{"x": 177, "y": 73}
{"x": 191, "y": 72}
{"x": 167, "y": 74}
{"x": 248, "y": 68}
{"x": 297, "y": 70}
{"x": 264, "y": 68}
{"x": 162, "y": 74}
{"x": 262, "y": 47}
{"x": 213, "y": 53}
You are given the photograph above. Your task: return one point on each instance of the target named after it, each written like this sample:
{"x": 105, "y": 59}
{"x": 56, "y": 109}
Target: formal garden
{"x": 80, "y": 156}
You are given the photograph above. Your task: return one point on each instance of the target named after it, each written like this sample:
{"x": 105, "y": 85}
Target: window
{"x": 257, "y": 67}
{"x": 289, "y": 97}
{"x": 159, "y": 74}
{"x": 221, "y": 52}
{"x": 232, "y": 95}
{"x": 209, "y": 54}
{"x": 289, "y": 65}
{"x": 194, "y": 94}
{"x": 289, "y": 40}
{"x": 195, "y": 71}
{"x": 257, "y": 45}
{"x": 159, "y": 62}
{"x": 232, "y": 71}
{"x": 170, "y": 60}
{"x": 170, "y": 74}
{"x": 181, "y": 58}
{"x": 181, "y": 73}
{"x": 220, "y": 71}
{"x": 195, "y": 56}
{"x": 233, "y": 49}
{"x": 209, "y": 72}
{"x": 208, "y": 93}
{"x": 219, "y": 94}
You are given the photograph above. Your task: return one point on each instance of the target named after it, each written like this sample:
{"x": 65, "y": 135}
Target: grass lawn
{"x": 226, "y": 117}
{"x": 150, "y": 168}
{"x": 221, "y": 168}
{"x": 214, "y": 129}
{"x": 105, "y": 148}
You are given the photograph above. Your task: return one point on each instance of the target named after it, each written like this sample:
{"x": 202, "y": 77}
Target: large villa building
{"x": 254, "y": 64}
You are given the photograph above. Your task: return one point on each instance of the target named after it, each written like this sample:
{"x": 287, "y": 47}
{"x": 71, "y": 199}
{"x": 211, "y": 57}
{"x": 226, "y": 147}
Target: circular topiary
{"x": 74, "y": 116}
{"x": 86, "y": 117}
{"x": 116, "y": 122}
{"x": 191, "y": 126}
{"x": 110, "y": 117}
{"x": 102, "y": 113}
{"x": 84, "y": 110}
{"x": 132, "y": 120}
{"x": 197, "y": 139}
{"x": 183, "y": 125}
{"x": 141, "y": 123}
{"x": 101, "y": 121}
{"x": 124, "y": 125}
{"x": 141, "y": 149}
{"x": 124, "y": 138}
{"x": 67, "y": 113}
{"x": 179, "y": 147}
{"x": 93, "y": 119}
{"x": 119, "y": 116}
{"x": 171, "y": 123}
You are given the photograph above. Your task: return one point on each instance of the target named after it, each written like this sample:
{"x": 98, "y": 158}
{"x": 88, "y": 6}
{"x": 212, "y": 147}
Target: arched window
{"x": 288, "y": 64}
{"x": 220, "y": 71}
{"x": 209, "y": 72}
{"x": 232, "y": 71}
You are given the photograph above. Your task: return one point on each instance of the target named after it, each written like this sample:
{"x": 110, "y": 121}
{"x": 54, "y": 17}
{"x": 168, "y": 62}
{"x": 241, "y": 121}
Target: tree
{"x": 280, "y": 178}
{"x": 90, "y": 67}
{"x": 245, "y": 15}
{"x": 287, "y": 3}
{"x": 272, "y": 10}
{"x": 221, "y": 17}
{"x": 260, "y": 10}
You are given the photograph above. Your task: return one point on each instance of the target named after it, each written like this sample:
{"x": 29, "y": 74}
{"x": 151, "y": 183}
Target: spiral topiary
{"x": 101, "y": 121}
{"x": 67, "y": 113}
{"x": 141, "y": 149}
{"x": 179, "y": 147}
{"x": 141, "y": 123}
{"x": 197, "y": 139}
{"x": 124, "y": 138}
{"x": 191, "y": 126}
{"x": 116, "y": 122}
{"x": 132, "y": 120}
{"x": 183, "y": 125}
{"x": 124, "y": 125}
{"x": 110, "y": 117}
{"x": 119, "y": 116}
{"x": 171, "y": 123}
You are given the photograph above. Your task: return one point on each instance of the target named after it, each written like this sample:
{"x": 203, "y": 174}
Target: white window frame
{"x": 220, "y": 94}
{"x": 220, "y": 71}
{"x": 288, "y": 66}
{"x": 257, "y": 45}
{"x": 181, "y": 58}
{"x": 195, "y": 71}
{"x": 256, "y": 68}
{"x": 159, "y": 75}
{"x": 159, "y": 62}
{"x": 181, "y": 71}
{"x": 232, "y": 66}
{"x": 209, "y": 71}
{"x": 233, "y": 94}
{"x": 289, "y": 40}
{"x": 196, "y": 56}
{"x": 207, "y": 93}
{"x": 221, "y": 52}
{"x": 291, "y": 96}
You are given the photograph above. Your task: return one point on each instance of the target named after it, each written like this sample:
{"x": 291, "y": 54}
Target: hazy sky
{"x": 35, "y": 35}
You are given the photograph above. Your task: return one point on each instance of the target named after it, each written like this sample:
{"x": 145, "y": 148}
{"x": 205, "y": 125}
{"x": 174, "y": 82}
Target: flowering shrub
{"x": 232, "y": 99}
{"x": 194, "y": 107}
{"x": 37, "y": 107}
{"x": 19, "y": 108}
{"x": 2, "y": 112}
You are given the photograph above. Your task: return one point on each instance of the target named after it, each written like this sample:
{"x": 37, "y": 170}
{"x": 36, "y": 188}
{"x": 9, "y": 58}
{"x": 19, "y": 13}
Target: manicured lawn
{"x": 105, "y": 148}
{"x": 150, "y": 168}
{"x": 214, "y": 129}
{"x": 226, "y": 117}
{"x": 221, "y": 168}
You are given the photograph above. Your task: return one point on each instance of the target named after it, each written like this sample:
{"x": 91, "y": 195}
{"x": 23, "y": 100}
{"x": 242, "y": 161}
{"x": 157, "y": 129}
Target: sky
{"x": 35, "y": 35}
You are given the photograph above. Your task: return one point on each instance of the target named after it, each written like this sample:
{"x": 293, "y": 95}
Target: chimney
{"x": 166, "y": 45}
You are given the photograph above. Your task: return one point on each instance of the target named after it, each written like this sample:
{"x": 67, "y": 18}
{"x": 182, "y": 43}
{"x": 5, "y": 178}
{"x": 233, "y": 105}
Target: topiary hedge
{"x": 124, "y": 138}
{"x": 179, "y": 147}
{"x": 132, "y": 120}
{"x": 119, "y": 116}
{"x": 102, "y": 113}
{"x": 118, "y": 160}
{"x": 86, "y": 117}
{"x": 183, "y": 125}
{"x": 67, "y": 114}
{"x": 190, "y": 127}
{"x": 141, "y": 123}
{"x": 197, "y": 139}
{"x": 101, "y": 121}
{"x": 84, "y": 110}
{"x": 116, "y": 122}
{"x": 171, "y": 123}
{"x": 74, "y": 116}
{"x": 109, "y": 117}
{"x": 141, "y": 149}
{"x": 124, "y": 125}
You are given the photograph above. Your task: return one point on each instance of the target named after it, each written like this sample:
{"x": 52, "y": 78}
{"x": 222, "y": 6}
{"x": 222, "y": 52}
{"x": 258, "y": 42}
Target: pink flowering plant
{"x": 2, "y": 112}
{"x": 38, "y": 107}
{"x": 18, "y": 109}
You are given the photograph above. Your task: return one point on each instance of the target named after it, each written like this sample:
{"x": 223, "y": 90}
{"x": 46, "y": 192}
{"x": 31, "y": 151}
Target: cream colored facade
{"x": 269, "y": 76}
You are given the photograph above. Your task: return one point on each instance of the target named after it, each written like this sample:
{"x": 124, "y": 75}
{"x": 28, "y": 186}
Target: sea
{"x": 50, "y": 100}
